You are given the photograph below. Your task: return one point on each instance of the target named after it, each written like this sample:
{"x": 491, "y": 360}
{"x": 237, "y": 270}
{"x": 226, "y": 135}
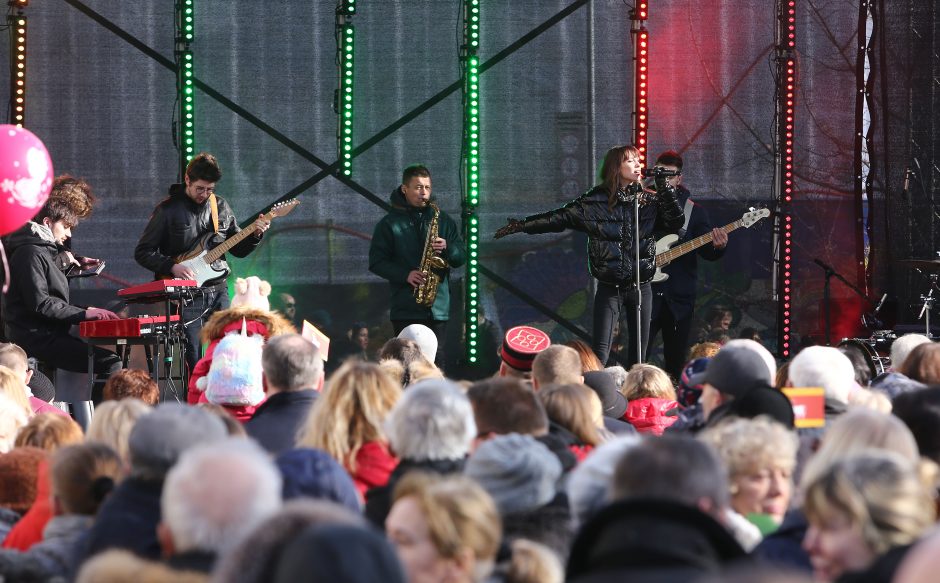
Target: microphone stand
{"x": 638, "y": 188}
{"x": 830, "y": 272}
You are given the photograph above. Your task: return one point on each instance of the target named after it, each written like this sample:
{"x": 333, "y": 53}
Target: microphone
{"x": 657, "y": 171}
{"x": 881, "y": 302}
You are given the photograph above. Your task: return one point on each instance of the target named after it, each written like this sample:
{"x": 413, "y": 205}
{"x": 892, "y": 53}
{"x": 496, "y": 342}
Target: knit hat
{"x": 734, "y": 371}
{"x": 159, "y": 438}
{"x": 235, "y": 377}
{"x": 41, "y": 387}
{"x": 688, "y": 391}
{"x": 339, "y": 553}
{"x": 19, "y": 471}
{"x": 252, "y": 292}
{"x": 764, "y": 401}
{"x": 424, "y": 337}
{"x": 521, "y": 344}
{"x": 516, "y": 470}
{"x": 614, "y": 404}
{"x": 312, "y": 473}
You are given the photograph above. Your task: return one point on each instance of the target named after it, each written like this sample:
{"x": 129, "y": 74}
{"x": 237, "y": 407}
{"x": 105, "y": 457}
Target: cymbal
{"x": 928, "y": 264}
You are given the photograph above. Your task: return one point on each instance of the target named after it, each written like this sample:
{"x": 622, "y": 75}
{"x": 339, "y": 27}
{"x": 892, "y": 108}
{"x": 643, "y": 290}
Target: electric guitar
{"x": 201, "y": 260}
{"x": 665, "y": 253}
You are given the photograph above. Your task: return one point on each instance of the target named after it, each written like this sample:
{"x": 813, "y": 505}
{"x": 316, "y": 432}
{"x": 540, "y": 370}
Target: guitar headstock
{"x": 283, "y": 208}
{"x": 753, "y": 216}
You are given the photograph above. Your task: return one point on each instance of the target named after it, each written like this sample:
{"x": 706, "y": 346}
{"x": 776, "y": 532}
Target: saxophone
{"x": 430, "y": 261}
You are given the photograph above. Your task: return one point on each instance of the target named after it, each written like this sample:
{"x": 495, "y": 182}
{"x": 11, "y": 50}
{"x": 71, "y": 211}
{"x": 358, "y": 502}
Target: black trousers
{"x": 196, "y": 313}
{"x": 439, "y": 327}
{"x": 609, "y": 301}
{"x": 675, "y": 332}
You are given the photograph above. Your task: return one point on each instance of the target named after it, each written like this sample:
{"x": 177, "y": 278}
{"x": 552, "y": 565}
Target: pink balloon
{"x": 25, "y": 177}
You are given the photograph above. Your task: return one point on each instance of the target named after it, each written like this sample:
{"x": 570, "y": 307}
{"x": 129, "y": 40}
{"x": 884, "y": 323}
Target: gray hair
{"x": 826, "y": 367}
{"x": 158, "y": 439}
{"x": 433, "y": 420}
{"x": 903, "y": 346}
{"x": 588, "y": 485}
{"x": 291, "y": 363}
{"x": 217, "y": 493}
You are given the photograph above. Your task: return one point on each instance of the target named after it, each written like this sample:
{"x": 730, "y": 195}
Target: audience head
{"x": 589, "y": 360}
{"x": 424, "y": 337}
{"x": 920, "y": 412}
{"x": 734, "y": 371}
{"x": 645, "y": 381}
{"x": 351, "y": 411}
{"x": 13, "y": 387}
{"x": 704, "y": 350}
{"x": 923, "y": 364}
{"x": 285, "y": 304}
{"x": 82, "y": 476}
{"x": 130, "y": 382}
{"x": 432, "y": 421}
{"x": 402, "y": 358}
{"x": 760, "y": 456}
{"x": 19, "y": 468}
{"x": 603, "y": 383}
{"x": 618, "y": 373}
{"x": 339, "y": 553}
{"x": 158, "y": 439}
{"x": 520, "y": 346}
{"x": 689, "y": 392}
{"x": 571, "y": 407}
{"x": 519, "y": 472}
{"x": 556, "y": 365}
{"x": 12, "y": 418}
{"x": 507, "y": 405}
{"x": 901, "y": 348}
{"x": 861, "y": 506}
{"x": 14, "y": 358}
{"x": 215, "y": 494}
{"x": 588, "y": 485}
{"x": 313, "y": 473}
{"x": 233, "y": 427}
{"x": 861, "y": 367}
{"x": 113, "y": 421}
{"x": 291, "y": 363}
{"x": 444, "y": 529}
{"x": 49, "y": 431}
{"x": 675, "y": 468}
{"x": 826, "y": 367}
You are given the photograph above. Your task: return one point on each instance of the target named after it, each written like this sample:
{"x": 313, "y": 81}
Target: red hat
{"x": 521, "y": 344}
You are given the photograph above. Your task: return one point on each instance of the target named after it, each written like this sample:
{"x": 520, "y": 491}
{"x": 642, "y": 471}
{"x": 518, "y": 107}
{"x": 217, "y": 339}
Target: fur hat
{"x": 235, "y": 377}
{"x": 424, "y": 337}
{"x": 19, "y": 469}
{"x": 252, "y": 291}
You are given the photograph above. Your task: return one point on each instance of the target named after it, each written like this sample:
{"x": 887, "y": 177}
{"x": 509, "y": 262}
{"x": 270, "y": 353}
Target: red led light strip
{"x": 641, "y": 78}
{"x": 786, "y": 259}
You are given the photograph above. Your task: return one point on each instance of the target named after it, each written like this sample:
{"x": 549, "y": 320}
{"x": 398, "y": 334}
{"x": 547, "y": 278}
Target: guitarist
{"x": 178, "y": 225}
{"x": 674, "y": 299}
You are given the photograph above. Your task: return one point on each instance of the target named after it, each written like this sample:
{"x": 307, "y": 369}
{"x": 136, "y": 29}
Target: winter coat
{"x": 264, "y": 322}
{"x": 646, "y": 540}
{"x": 54, "y": 556}
{"x": 278, "y": 420}
{"x": 784, "y": 547}
{"x": 37, "y": 305}
{"x": 175, "y": 227}
{"x": 379, "y": 499}
{"x": 128, "y": 519}
{"x": 396, "y": 249}
{"x": 611, "y": 251}
{"x": 649, "y": 415}
{"x": 374, "y": 466}
{"x": 550, "y": 525}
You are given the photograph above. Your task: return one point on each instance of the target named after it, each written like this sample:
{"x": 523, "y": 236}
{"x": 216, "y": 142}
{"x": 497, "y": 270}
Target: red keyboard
{"x": 125, "y": 328}
{"x": 157, "y": 290}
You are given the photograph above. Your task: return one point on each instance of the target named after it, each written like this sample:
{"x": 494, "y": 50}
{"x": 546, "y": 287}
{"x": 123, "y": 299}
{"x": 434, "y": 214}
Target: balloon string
{"x": 6, "y": 269}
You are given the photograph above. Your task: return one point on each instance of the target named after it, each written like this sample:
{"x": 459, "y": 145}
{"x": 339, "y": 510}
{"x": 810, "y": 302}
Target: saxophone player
{"x": 403, "y": 243}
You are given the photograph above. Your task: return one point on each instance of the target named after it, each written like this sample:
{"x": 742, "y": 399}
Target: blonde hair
{"x": 647, "y": 381}
{"x": 460, "y": 515}
{"x": 878, "y": 491}
{"x": 50, "y": 431}
{"x": 12, "y": 418}
{"x": 12, "y": 386}
{"x": 859, "y": 430}
{"x": 704, "y": 350}
{"x": 558, "y": 364}
{"x": 570, "y": 407}
{"x": 351, "y": 411}
{"x": 113, "y": 422}
{"x": 83, "y": 475}
{"x": 746, "y": 445}
{"x": 533, "y": 563}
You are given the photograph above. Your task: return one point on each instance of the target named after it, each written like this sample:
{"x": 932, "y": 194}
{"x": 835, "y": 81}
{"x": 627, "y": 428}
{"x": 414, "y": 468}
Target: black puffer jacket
{"x": 177, "y": 224}
{"x": 610, "y": 231}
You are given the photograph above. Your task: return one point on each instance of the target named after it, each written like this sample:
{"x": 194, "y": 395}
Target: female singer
{"x": 606, "y": 214}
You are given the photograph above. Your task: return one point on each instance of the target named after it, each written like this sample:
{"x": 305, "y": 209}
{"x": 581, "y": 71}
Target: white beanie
{"x": 424, "y": 337}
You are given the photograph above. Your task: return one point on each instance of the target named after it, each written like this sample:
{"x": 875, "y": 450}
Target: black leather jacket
{"x": 176, "y": 226}
{"x": 610, "y": 231}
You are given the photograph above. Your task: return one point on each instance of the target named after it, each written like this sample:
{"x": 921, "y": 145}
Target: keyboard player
{"x": 37, "y": 312}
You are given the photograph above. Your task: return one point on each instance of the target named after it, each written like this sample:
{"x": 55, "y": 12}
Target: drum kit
{"x": 876, "y": 350}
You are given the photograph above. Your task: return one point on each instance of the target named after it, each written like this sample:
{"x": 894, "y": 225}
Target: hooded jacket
{"x": 37, "y": 304}
{"x": 611, "y": 251}
{"x": 396, "y": 249}
{"x": 175, "y": 227}
{"x": 650, "y": 414}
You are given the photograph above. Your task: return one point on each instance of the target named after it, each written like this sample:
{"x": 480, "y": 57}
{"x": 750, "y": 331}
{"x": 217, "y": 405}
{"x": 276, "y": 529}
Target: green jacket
{"x": 396, "y": 248}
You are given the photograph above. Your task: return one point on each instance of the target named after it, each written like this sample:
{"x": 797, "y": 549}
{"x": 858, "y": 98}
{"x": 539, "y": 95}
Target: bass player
{"x": 193, "y": 215}
{"x": 400, "y": 241}
{"x": 674, "y": 299}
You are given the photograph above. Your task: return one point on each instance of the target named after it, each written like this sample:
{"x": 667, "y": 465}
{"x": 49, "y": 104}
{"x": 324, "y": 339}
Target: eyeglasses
{"x": 204, "y": 190}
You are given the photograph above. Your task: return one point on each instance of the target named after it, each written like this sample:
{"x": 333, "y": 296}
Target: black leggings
{"x": 608, "y": 303}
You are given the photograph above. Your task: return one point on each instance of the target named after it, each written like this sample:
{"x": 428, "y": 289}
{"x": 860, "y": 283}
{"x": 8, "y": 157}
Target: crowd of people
{"x": 556, "y": 468}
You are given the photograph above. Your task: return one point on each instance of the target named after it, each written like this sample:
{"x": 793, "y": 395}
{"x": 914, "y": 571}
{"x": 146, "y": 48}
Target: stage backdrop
{"x": 550, "y": 110}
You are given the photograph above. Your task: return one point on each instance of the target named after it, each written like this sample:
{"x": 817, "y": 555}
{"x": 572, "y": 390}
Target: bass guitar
{"x": 200, "y": 259}
{"x": 666, "y": 253}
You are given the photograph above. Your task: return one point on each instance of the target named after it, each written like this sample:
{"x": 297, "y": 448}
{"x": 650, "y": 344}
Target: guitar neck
{"x": 230, "y": 242}
{"x": 679, "y": 250}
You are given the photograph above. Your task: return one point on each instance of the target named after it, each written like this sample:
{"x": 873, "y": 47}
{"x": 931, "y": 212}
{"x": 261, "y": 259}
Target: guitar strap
{"x": 687, "y": 210}
{"x": 214, "y": 207}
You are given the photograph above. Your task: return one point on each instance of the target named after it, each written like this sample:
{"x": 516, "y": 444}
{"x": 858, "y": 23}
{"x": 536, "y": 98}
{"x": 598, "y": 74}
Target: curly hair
{"x": 70, "y": 201}
{"x": 749, "y": 444}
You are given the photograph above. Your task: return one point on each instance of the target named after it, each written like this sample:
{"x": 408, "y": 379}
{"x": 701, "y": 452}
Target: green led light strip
{"x": 185, "y": 78}
{"x": 346, "y": 94}
{"x": 472, "y": 125}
